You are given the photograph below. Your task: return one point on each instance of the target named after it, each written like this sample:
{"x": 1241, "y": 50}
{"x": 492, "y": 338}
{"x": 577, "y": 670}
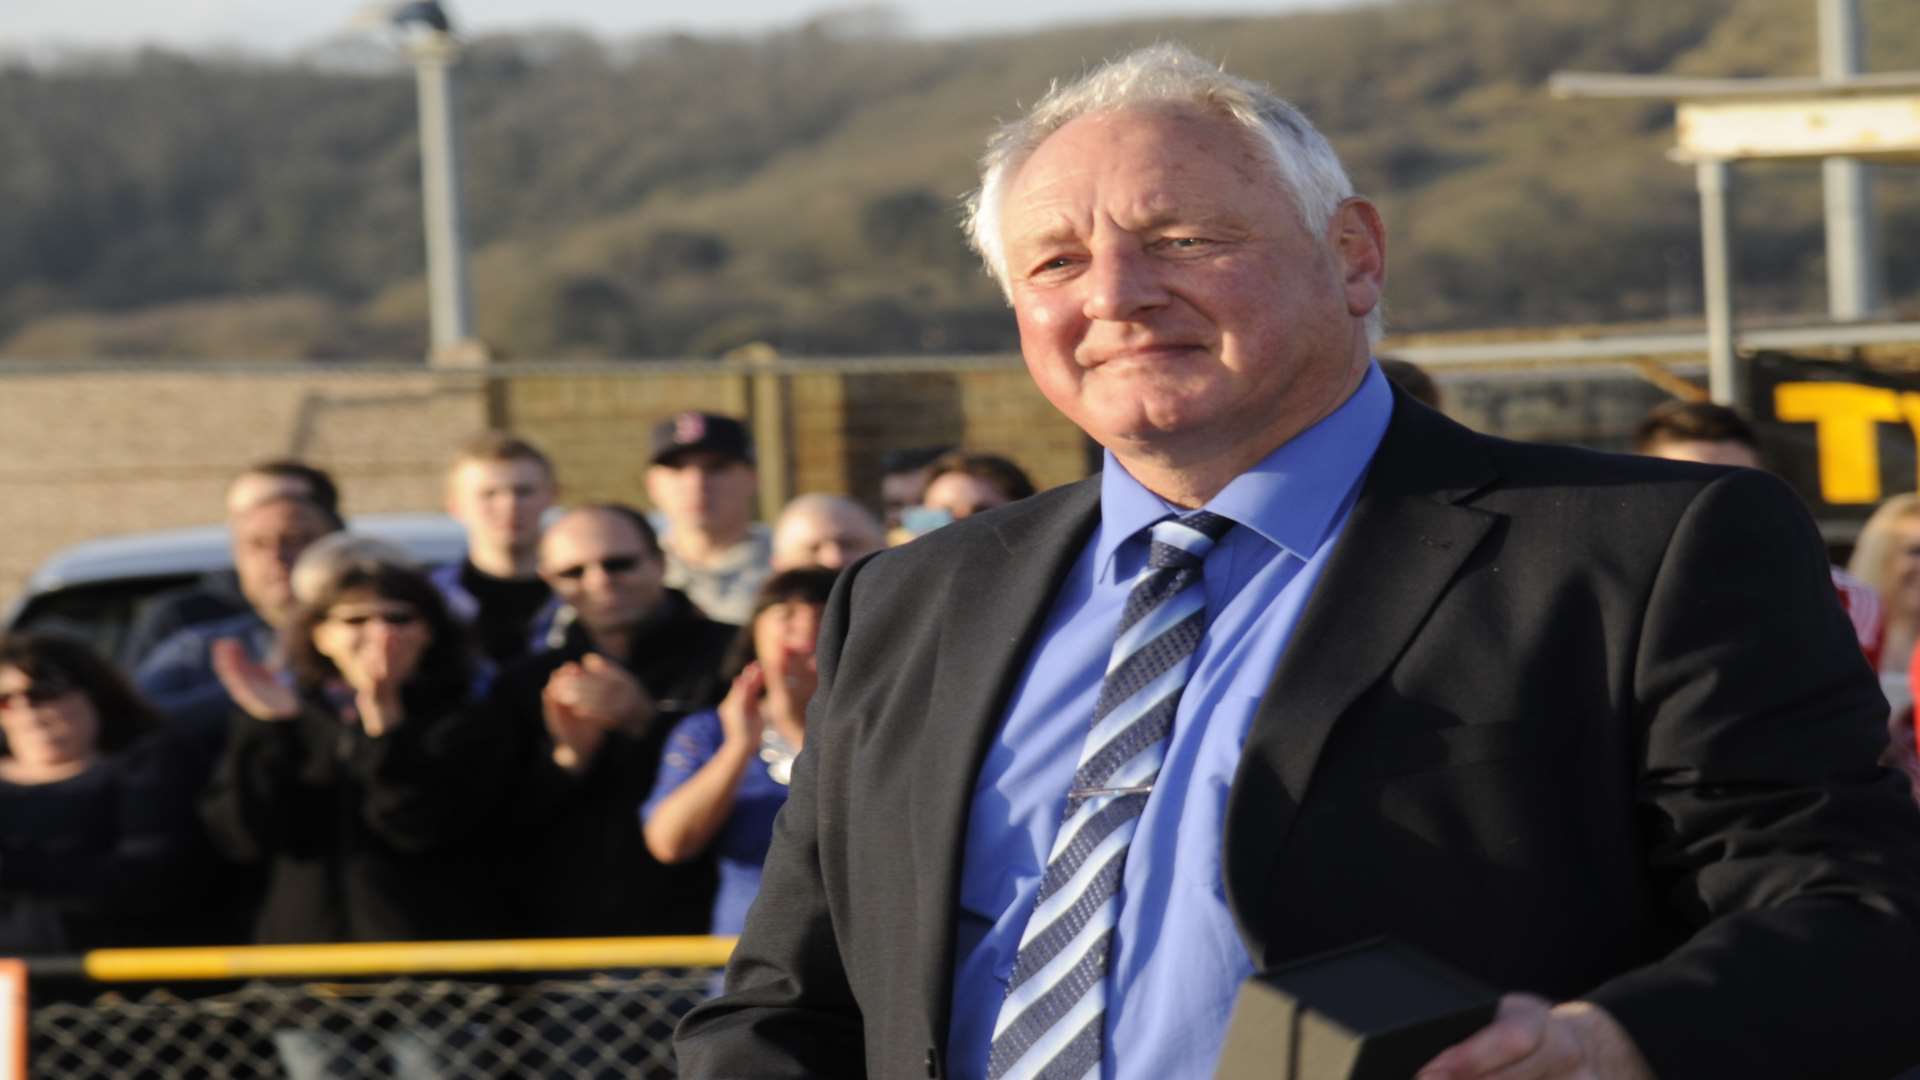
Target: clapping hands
{"x": 585, "y": 699}
{"x": 741, "y": 718}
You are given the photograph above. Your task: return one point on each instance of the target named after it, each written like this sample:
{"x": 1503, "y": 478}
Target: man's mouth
{"x": 1145, "y": 353}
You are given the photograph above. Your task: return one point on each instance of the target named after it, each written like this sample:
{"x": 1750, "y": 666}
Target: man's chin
{"x": 618, "y": 622}
{"x": 277, "y": 614}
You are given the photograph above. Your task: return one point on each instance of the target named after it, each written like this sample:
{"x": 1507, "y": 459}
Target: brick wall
{"x": 92, "y": 453}
{"x": 88, "y": 455}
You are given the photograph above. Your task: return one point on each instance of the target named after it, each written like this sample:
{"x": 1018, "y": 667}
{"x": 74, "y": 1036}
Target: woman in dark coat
{"x": 364, "y": 781}
{"x": 98, "y": 841}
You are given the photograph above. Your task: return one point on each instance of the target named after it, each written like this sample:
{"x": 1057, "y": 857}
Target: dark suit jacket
{"x": 1582, "y": 725}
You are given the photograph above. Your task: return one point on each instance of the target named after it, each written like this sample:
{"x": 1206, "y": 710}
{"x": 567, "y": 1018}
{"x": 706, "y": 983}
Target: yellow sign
{"x": 1846, "y": 419}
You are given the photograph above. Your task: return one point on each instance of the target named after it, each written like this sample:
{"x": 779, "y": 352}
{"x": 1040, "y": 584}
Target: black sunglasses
{"x": 617, "y": 564}
{"x": 40, "y": 692}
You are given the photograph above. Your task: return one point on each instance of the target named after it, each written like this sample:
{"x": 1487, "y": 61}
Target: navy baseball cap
{"x": 685, "y": 432}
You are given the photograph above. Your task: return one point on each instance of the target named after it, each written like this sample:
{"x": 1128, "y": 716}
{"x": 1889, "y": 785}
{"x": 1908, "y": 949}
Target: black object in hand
{"x": 1374, "y": 1011}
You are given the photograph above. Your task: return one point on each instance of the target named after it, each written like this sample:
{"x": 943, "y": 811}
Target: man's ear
{"x": 1358, "y": 239}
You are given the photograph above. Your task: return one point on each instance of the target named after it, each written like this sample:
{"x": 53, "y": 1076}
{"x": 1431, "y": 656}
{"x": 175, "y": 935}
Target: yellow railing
{"x": 480, "y": 1009}
{"x": 401, "y": 958}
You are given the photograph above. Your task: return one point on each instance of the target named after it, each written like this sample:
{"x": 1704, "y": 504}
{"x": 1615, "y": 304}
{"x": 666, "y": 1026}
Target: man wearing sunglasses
{"x": 627, "y": 658}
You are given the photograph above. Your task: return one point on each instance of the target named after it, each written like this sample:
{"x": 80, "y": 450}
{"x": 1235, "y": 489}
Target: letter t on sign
{"x": 1843, "y": 416}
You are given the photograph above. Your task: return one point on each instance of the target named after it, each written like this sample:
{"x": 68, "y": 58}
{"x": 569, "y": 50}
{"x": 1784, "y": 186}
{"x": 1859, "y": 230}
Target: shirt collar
{"x": 1292, "y": 497}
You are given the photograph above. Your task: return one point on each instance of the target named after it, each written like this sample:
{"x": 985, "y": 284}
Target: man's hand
{"x": 576, "y": 737}
{"x": 252, "y": 685}
{"x": 1532, "y": 1040}
{"x": 583, "y": 701}
{"x": 603, "y": 690}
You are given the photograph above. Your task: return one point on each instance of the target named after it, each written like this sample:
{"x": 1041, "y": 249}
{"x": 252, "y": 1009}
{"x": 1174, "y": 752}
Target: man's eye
{"x": 1184, "y": 243}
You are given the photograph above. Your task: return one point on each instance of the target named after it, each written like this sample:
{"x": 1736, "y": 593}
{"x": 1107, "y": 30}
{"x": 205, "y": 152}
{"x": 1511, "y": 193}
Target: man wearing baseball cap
{"x": 702, "y": 481}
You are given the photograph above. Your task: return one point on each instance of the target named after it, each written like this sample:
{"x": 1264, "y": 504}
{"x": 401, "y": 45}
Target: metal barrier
{"x": 592, "y": 1008}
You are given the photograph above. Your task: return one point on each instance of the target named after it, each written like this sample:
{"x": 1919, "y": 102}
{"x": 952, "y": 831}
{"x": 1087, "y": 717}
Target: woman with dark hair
{"x": 95, "y": 832}
{"x": 362, "y": 781}
{"x": 725, "y": 771}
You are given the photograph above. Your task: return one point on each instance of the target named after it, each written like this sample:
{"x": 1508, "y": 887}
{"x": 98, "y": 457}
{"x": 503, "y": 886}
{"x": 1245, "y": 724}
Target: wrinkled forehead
{"x": 1143, "y": 162}
{"x": 1188, "y": 131}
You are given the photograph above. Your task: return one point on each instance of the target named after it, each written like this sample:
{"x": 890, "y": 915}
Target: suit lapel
{"x": 984, "y": 642}
{"x": 1403, "y": 544}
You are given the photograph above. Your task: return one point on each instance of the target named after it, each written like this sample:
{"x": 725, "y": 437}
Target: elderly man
{"x": 589, "y": 719}
{"x": 830, "y": 531}
{"x": 1307, "y": 664}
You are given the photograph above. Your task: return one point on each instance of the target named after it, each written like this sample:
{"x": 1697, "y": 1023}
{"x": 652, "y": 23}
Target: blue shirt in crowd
{"x": 741, "y": 845}
{"x": 1177, "y": 961}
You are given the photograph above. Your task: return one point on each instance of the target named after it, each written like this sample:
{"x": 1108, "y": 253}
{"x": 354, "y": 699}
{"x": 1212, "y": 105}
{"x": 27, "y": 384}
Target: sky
{"x": 278, "y": 26}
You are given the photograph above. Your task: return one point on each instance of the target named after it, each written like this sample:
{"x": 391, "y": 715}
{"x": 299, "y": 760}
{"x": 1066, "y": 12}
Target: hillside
{"x": 683, "y": 196}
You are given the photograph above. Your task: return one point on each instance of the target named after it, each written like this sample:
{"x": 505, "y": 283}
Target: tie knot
{"x": 1185, "y": 541}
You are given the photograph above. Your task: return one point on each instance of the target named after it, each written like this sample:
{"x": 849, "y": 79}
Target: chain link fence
{"x": 598, "y": 1026}
{"x": 445, "y": 1011}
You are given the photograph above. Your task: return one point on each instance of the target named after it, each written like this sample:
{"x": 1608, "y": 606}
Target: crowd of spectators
{"x": 583, "y": 728}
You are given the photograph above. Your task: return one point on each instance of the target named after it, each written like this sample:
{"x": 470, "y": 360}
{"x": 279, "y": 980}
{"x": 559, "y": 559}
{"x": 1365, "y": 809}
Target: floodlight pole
{"x": 1715, "y": 180}
{"x": 1853, "y": 265}
{"x": 449, "y": 302}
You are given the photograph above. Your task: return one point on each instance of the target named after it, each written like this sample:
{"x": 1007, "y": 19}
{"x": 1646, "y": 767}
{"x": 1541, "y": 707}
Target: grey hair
{"x": 327, "y": 560}
{"x": 1162, "y": 75}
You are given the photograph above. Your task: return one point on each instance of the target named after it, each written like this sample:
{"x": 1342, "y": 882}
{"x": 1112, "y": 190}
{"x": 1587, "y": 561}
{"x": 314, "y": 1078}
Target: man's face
{"x": 1707, "y": 452}
{"x": 600, "y": 565}
{"x": 267, "y": 540}
{"x": 699, "y": 489}
{"x": 500, "y": 502}
{"x": 899, "y": 490}
{"x": 823, "y": 536}
{"x": 962, "y": 495}
{"x": 1170, "y": 301}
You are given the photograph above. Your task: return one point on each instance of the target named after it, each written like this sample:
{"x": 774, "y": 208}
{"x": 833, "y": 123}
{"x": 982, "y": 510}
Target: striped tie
{"x": 1050, "y": 1025}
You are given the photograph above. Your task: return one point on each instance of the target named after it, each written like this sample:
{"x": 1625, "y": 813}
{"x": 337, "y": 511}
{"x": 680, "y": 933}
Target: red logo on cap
{"x": 689, "y": 428}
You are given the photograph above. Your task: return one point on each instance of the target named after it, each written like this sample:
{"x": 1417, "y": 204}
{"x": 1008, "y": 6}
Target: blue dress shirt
{"x": 1177, "y": 961}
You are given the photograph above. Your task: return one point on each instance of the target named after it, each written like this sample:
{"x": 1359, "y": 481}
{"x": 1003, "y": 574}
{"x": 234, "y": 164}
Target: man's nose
{"x": 1121, "y": 285}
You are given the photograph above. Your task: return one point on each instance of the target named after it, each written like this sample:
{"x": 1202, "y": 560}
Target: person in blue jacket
{"x": 725, "y": 772}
